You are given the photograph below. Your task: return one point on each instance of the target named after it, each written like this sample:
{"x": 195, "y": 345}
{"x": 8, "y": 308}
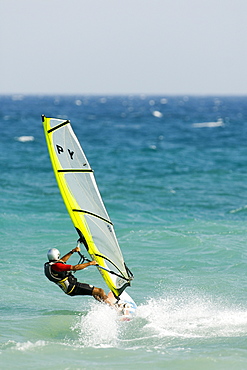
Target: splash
{"x": 192, "y": 317}
{"x": 179, "y": 319}
{"x": 99, "y": 327}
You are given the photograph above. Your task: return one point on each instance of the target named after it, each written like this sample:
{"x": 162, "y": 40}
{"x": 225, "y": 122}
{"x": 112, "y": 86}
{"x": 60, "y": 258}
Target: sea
{"x": 172, "y": 171}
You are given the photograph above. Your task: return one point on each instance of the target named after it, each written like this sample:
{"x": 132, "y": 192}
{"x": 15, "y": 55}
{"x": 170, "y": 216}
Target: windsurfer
{"x": 57, "y": 271}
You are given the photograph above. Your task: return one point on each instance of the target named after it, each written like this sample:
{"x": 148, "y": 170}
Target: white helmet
{"x": 53, "y": 254}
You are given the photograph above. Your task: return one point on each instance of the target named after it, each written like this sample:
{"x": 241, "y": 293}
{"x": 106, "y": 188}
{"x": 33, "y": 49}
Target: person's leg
{"x": 111, "y": 298}
{"x": 86, "y": 289}
{"x": 99, "y": 295}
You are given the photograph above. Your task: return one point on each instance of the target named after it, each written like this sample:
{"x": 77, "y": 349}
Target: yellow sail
{"x": 83, "y": 201}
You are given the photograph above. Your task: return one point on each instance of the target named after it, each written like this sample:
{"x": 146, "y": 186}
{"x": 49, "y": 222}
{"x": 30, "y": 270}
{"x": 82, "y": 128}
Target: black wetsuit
{"x": 66, "y": 281}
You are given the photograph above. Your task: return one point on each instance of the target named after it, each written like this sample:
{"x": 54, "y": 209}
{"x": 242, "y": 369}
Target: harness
{"x": 64, "y": 279}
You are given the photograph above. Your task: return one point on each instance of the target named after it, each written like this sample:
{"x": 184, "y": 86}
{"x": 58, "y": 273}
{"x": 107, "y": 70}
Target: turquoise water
{"x": 172, "y": 173}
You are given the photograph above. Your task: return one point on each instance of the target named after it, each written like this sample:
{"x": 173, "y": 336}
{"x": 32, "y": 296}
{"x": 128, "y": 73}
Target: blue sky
{"x": 123, "y": 47}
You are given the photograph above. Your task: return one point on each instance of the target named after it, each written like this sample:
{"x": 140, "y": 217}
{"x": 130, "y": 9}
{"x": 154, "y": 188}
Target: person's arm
{"x": 69, "y": 254}
{"x": 82, "y": 266}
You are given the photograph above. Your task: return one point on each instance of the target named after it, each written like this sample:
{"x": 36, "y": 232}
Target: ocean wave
{"x": 22, "y": 346}
{"x": 240, "y": 209}
{"x": 29, "y": 345}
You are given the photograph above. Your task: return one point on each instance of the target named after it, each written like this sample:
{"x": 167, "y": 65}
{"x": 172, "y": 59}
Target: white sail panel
{"x": 104, "y": 237}
{"x": 68, "y": 149}
{"x": 83, "y": 188}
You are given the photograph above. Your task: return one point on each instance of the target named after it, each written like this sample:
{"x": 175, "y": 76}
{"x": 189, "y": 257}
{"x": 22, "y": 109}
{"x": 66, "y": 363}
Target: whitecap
{"x": 29, "y": 345}
{"x": 218, "y": 123}
{"x": 24, "y": 139}
{"x": 157, "y": 114}
{"x": 238, "y": 209}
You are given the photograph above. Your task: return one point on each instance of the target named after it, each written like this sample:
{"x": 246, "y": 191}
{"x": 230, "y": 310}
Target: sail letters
{"x": 60, "y": 150}
{"x": 71, "y": 154}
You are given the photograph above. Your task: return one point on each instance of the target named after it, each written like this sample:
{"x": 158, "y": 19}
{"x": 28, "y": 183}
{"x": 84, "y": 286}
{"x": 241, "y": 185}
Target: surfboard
{"x": 85, "y": 206}
{"x": 125, "y": 306}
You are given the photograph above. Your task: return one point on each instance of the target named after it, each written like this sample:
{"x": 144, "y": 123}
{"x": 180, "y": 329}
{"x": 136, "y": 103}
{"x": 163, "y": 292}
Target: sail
{"x": 81, "y": 196}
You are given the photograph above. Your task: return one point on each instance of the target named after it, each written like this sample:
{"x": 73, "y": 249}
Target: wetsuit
{"x": 60, "y": 274}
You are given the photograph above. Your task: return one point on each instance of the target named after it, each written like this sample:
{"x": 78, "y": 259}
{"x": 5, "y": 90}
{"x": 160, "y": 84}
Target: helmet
{"x": 53, "y": 254}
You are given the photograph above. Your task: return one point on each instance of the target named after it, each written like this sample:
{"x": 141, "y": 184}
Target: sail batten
{"x": 92, "y": 214}
{"x": 81, "y": 196}
{"x": 58, "y": 126}
{"x": 74, "y": 170}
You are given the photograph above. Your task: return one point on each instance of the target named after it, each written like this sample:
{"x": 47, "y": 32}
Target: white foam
{"x": 192, "y": 317}
{"x": 238, "y": 209}
{"x": 99, "y": 328}
{"x": 157, "y": 114}
{"x": 218, "y": 123}
{"x": 29, "y": 345}
{"x": 182, "y": 316}
{"x": 24, "y": 139}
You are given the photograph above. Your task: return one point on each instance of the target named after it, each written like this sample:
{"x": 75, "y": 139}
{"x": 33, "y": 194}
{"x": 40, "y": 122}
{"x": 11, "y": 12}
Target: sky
{"x": 168, "y": 47}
